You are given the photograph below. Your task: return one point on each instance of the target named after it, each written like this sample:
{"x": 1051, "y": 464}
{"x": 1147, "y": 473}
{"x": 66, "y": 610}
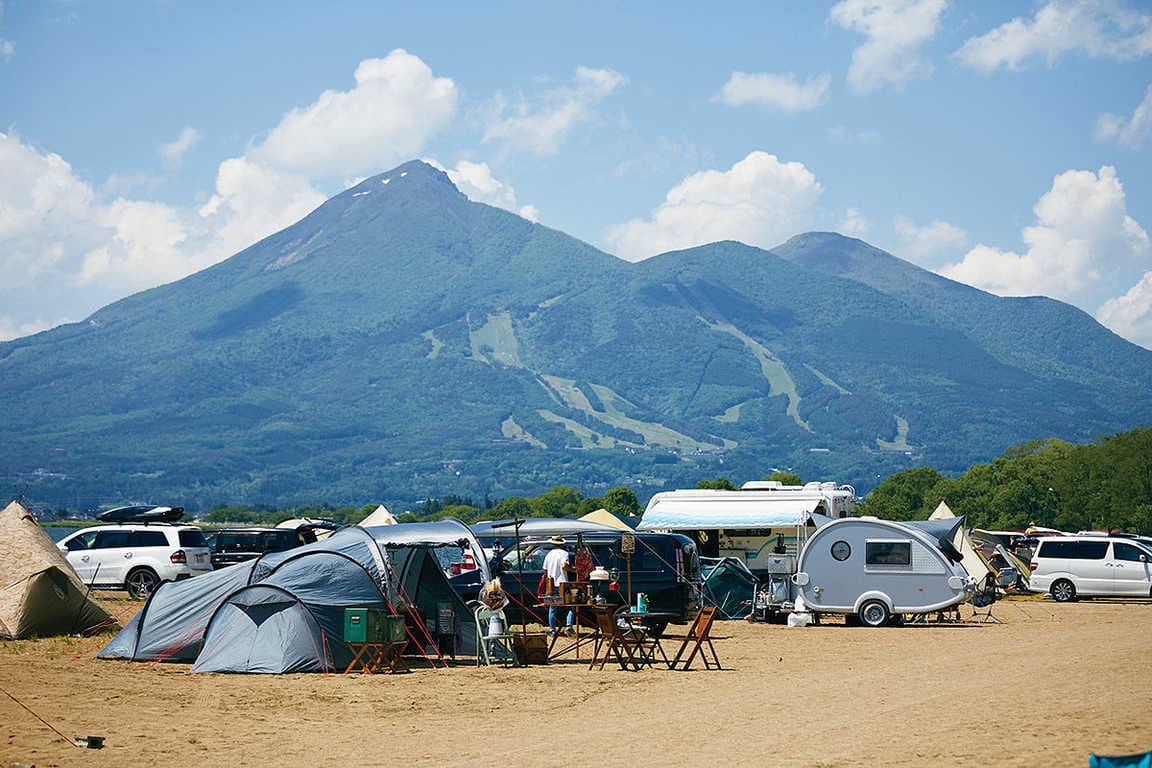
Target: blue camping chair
{"x": 1142, "y": 760}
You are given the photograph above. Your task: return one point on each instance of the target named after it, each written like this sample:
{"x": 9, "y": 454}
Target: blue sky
{"x": 1004, "y": 144}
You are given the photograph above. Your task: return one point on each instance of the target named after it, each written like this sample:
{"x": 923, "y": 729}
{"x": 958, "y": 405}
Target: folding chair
{"x": 493, "y": 647}
{"x": 1141, "y": 760}
{"x": 698, "y": 635}
{"x": 985, "y": 598}
{"x": 613, "y": 640}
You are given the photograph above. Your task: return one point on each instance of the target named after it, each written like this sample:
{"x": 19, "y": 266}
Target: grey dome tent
{"x": 40, "y": 593}
{"x": 170, "y": 626}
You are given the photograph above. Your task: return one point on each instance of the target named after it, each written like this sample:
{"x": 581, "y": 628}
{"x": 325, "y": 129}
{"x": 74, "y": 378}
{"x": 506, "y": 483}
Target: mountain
{"x": 403, "y": 342}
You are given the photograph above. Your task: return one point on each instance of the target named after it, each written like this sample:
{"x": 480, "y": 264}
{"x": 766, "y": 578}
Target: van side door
{"x": 1095, "y": 569}
{"x": 1131, "y": 571}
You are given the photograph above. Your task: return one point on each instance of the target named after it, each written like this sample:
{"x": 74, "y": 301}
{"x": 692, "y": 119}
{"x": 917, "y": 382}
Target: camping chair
{"x": 493, "y": 647}
{"x": 985, "y": 597}
{"x": 1141, "y": 760}
{"x": 614, "y": 640}
{"x": 698, "y": 635}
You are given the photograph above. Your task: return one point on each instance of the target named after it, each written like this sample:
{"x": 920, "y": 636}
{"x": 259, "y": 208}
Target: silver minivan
{"x": 1068, "y": 567}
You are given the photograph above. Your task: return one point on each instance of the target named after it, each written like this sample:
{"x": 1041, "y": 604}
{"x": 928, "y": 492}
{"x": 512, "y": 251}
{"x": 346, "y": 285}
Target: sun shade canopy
{"x": 693, "y": 511}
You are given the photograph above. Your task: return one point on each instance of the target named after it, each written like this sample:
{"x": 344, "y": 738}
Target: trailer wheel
{"x": 874, "y": 613}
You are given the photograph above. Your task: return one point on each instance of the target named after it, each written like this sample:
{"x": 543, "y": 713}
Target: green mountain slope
{"x": 402, "y": 342}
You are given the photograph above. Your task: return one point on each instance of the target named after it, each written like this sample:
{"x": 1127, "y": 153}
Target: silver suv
{"x": 136, "y": 557}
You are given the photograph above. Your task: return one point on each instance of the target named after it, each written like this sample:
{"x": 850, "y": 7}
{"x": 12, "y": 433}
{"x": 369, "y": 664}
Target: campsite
{"x": 1051, "y": 684}
{"x": 1021, "y": 680}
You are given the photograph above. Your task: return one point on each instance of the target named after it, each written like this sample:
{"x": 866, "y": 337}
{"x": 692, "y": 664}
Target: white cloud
{"x": 477, "y": 182}
{"x": 924, "y": 245}
{"x": 895, "y": 31}
{"x": 854, "y": 224}
{"x": 1130, "y": 315}
{"x": 1096, "y": 28}
{"x": 395, "y": 107}
{"x": 1131, "y": 132}
{"x": 174, "y": 151}
{"x": 7, "y": 50}
{"x": 760, "y": 201}
{"x": 783, "y": 92}
{"x": 251, "y": 202}
{"x": 1082, "y": 231}
{"x": 67, "y": 246}
{"x": 541, "y": 128}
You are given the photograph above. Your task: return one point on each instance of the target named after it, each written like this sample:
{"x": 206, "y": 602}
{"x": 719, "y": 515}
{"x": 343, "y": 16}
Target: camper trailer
{"x": 876, "y": 569}
{"x": 764, "y": 524}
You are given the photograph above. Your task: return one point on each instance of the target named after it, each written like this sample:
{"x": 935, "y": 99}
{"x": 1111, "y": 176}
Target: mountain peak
{"x": 414, "y": 175}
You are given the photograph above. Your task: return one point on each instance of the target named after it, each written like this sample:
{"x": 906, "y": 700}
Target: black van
{"x": 664, "y": 566}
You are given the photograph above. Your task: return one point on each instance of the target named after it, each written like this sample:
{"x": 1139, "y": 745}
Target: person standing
{"x": 556, "y": 568}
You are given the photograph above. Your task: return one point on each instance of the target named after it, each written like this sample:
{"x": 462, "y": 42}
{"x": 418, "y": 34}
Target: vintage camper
{"x": 876, "y": 569}
{"x": 764, "y": 524}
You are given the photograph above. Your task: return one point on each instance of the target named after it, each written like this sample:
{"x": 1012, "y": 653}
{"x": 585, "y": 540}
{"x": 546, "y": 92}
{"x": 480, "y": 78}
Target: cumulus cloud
{"x": 396, "y": 105}
{"x": 1082, "y": 231}
{"x": 784, "y": 92}
{"x": 1130, "y": 315}
{"x": 895, "y": 31}
{"x": 1096, "y": 28}
{"x": 477, "y": 182}
{"x": 924, "y": 245}
{"x": 854, "y": 224}
{"x": 759, "y": 200}
{"x": 66, "y": 246}
{"x": 540, "y": 128}
{"x": 173, "y": 151}
{"x": 7, "y": 50}
{"x": 1131, "y": 132}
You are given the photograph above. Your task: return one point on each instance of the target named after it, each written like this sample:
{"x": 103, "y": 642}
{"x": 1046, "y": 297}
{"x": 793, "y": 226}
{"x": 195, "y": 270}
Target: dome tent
{"x": 40, "y": 593}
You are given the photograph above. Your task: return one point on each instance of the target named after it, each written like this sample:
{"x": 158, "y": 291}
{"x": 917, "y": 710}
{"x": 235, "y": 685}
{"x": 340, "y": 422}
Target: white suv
{"x": 136, "y": 557}
{"x": 1104, "y": 566}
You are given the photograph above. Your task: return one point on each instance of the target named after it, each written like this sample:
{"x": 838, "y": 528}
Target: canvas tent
{"x": 604, "y": 517}
{"x": 976, "y": 566}
{"x": 40, "y": 593}
{"x": 379, "y": 516}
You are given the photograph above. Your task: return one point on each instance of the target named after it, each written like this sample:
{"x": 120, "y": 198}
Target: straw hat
{"x": 557, "y": 540}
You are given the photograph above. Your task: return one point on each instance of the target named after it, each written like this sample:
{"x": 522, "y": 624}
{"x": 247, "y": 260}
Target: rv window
{"x": 888, "y": 553}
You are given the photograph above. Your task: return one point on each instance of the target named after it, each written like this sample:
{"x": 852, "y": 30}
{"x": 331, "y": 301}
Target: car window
{"x": 192, "y": 537}
{"x": 111, "y": 539}
{"x": 148, "y": 539}
{"x": 236, "y": 542}
{"x": 81, "y": 541}
{"x": 1128, "y": 552}
{"x": 1091, "y": 550}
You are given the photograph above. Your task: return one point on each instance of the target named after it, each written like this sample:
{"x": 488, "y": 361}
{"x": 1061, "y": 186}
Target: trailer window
{"x": 888, "y": 553}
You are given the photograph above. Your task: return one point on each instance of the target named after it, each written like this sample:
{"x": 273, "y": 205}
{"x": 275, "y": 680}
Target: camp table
{"x": 371, "y": 658}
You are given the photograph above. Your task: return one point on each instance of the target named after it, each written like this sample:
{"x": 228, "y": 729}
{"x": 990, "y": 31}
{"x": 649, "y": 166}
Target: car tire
{"x": 874, "y": 613}
{"x": 1063, "y": 591}
{"x": 141, "y": 582}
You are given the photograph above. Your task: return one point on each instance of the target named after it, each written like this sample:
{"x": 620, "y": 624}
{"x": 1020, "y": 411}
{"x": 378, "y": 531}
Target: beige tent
{"x": 40, "y": 594}
{"x": 976, "y": 566}
{"x": 379, "y": 516}
{"x": 604, "y": 517}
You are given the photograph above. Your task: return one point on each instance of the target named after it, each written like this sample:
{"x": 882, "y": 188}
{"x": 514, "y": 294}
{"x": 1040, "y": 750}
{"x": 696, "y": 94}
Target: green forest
{"x": 1105, "y": 485}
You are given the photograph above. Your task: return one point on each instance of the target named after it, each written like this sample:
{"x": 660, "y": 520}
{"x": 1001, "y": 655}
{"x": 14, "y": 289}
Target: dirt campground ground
{"x": 1047, "y": 687}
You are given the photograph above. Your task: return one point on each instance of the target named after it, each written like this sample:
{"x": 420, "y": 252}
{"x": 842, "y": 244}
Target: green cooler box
{"x": 370, "y": 625}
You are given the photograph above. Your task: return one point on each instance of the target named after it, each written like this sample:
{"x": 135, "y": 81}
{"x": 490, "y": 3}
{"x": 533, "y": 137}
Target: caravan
{"x": 877, "y": 569}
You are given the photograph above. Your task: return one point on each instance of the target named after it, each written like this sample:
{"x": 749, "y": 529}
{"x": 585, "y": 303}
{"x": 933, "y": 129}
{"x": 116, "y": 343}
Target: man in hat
{"x": 556, "y": 568}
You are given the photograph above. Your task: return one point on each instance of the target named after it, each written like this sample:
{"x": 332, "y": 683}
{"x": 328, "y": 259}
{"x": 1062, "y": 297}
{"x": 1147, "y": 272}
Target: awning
{"x": 680, "y": 511}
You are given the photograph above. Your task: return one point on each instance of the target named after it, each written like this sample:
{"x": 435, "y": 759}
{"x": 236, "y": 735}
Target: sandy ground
{"x": 1047, "y": 687}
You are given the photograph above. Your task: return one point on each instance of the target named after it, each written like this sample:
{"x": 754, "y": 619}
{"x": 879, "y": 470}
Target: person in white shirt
{"x": 556, "y": 567}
